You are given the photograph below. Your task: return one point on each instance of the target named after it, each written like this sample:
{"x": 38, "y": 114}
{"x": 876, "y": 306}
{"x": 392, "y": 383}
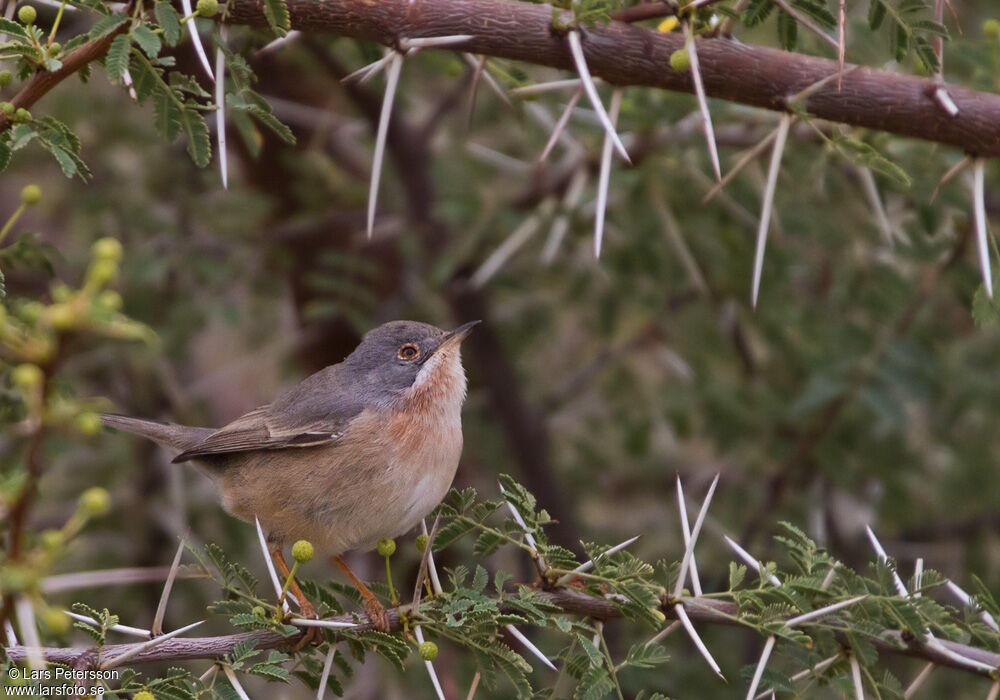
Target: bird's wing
{"x": 316, "y": 412}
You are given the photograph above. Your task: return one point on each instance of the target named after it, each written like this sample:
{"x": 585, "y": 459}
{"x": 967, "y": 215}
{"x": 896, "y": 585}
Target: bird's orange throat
{"x": 440, "y": 384}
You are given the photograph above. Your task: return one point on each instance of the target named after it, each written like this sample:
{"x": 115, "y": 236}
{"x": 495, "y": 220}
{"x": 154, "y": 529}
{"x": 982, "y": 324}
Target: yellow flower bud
{"x": 103, "y": 271}
{"x": 88, "y": 423}
{"x": 95, "y": 501}
{"x": 302, "y": 551}
{"x": 62, "y": 317}
{"x": 422, "y": 543}
{"x": 144, "y": 695}
{"x": 27, "y": 376}
{"x": 31, "y": 194}
{"x": 107, "y": 249}
{"x": 386, "y": 547}
{"x": 680, "y": 61}
{"x": 668, "y": 25}
{"x": 428, "y": 651}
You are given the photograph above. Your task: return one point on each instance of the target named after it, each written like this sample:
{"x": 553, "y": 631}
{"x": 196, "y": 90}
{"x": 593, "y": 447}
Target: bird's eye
{"x": 408, "y": 352}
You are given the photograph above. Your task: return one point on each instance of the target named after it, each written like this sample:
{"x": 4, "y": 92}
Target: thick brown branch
{"x": 702, "y": 610}
{"x": 625, "y": 54}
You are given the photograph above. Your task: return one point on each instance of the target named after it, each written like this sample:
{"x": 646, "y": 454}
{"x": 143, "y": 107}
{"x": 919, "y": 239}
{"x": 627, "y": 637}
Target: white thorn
{"x": 859, "y": 688}
{"x": 127, "y": 79}
{"x": 366, "y": 72}
{"x": 818, "y": 668}
{"x": 430, "y": 667}
{"x": 699, "y": 91}
{"x": 921, "y": 678}
{"x": 235, "y": 683}
{"x": 431, "y": 568}
{"x": 561, "y": 225}
{"x": 325, "y": 676}
{"x": 561, "y": 124}
{"x": 750, "y": 561}
{"x": 695, "y": 531}
{"x": 9, "y": 628}
{"x": 26, "y": 621}
{"x": 768, "y": 204}
{"x": 539, "y": 88}
{"x": 124, "y": 629}
{"x": 513, "y": 243}
{"x": 430, "y": 42}
{"x": 826, "y": 610}
{"x": 516, "y": 633}
{"x": 270, "y": 566}
{"x": 329, "y": 624}
{"x": 604, "y": 176}
{"x": 918, "y": 576}
{"x": 662, "y": 634}
{"x": 161, "y": 608}
{"x": 967, "y": 600}
{"x": 270, "y": 46}
{"x": 683, "y": 617}
{"x": 576, "y": 49}
{"x": 764, "y": 656}
{"x": 744, "y": 160}
{"x": 199, "y": 48}
{"x": 589, "y": 564}
{"x": 489, "y": 79}
{"x": 391, "y": 82}
{"x": 528, "y": 537}
{"x": 145, "y": 646}
{"x": 884, "y": 558}
{"x": 945, "y": 102}
{"x": 979, "y": 214}
{"x": 220, "y": 110}
{"x": 686, "y": 532}
{"x": 870, "y": 188}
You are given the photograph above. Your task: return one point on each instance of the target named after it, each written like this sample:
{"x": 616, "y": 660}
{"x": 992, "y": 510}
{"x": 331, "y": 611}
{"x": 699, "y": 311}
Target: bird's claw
{"x": 377, "y": 614}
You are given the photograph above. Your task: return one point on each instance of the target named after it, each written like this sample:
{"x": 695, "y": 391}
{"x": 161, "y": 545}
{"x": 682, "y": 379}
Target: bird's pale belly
{"x": 342, "y": 504}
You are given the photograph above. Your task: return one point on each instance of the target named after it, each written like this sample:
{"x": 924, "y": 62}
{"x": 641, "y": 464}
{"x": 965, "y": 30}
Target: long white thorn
{"x": 686, "y": 532}
{"x": 499, "y": 257}
{"x": 561, "y": 124}
{"x": 764, "y": 656}
{"x": 663, "y": 633}
{"x": 270, "y": 566}
{"x": 391, "y": 83}
{"x": 859, "y": 686}
{"x": 488, "y": 78}
{"x": 231, "y": 675}
{"x": 329, "y": 624}
{"x": 750, "y": 561}
{"x": 884, "y": 558}
{"x": 744, "y": 160}
{"x": 325, "y": 676}
{"x": 430, "y": 42}
{"x": 967, "y": 600}
{"x": 604, "y": 176}
{"x": 220, "y": 109}
{"x": 123, "y": 629}
{"x": 528, "y": 537}
{"x": 7, "y": 627}
{"x": 768, "y": 204}
{"x": 168, "y": 585}
{"x": 699, "y": 91}
{"x": 146, "y": 646}
{"x": 561, "y": 225}
{"x": 952, "y": 172}
{"x": 539, "y": 88}
{"x": 516, "y": 633}
{"x": 589, "y": 564}
{"x": 826, "y": 610}
{"x": 26, "y": 621}
{"x": 695, "y": 531}
{"x": 430, "y": 666}
{"x": 979, "y": 214}
{"x": 870, "y": 188}
{"x": 576, "y": 50}
{"x": 431, "y": 568}
{"x": 366, "y": 72}
{"x": 918, "y": 682}
{"x": 199, "y": 48}
{"x": 683, "y": 617}
{"x": 918, "y": 576}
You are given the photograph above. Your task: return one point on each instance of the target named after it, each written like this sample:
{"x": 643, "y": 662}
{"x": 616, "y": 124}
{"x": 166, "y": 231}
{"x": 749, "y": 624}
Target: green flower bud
{"x": 57, "y": 621}
{"x": 207, "y": 8}
{"x": 31, "y": 194}
{"x": 88, "y": 423}
{"x": 428, "y": 651}
{"x": 95, "y": 501}
{"x": 55, "y": 48}
{"x": 422, "y": 543}
{"x": 680, "y": 61}
{"x": 52, "y": 541}
{"x": 386, "y": 547}
{"x": 103, "y": 271}
{"x": 27, "y": 14}
{"x": 302, "y": 551}
{"x": 144, "y": 695}
{"x": 27, "y": 376}
{"x": 62, "y": 316}
{"x": 110, "y": 299}
{"x": 107, "y": 249}
{"x": 259, "y": 611}
{"x": 991, "y": 28}
{"x": 22, "y": 115}
{"x": 6, "y": 78}
{"x": 8, "y": 109}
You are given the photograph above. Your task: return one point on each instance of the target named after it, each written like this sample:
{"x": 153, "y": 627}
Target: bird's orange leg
{"x": 312, "y": 635}
{"x": 376, "y": 611}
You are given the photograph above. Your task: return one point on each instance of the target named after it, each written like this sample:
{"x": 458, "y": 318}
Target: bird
{"x": 358, "y": 452}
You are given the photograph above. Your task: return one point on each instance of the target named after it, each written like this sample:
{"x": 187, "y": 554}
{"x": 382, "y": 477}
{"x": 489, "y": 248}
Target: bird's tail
{"x": 173, "y": 435}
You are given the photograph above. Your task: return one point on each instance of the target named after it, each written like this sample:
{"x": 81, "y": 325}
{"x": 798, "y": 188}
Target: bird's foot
{"x": 377, "y": 613}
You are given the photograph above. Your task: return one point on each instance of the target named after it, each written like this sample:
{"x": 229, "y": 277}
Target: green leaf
{"x": 196, "y": 131}
{"x": 900, "y": 41}
{"x": 925, "y": 54}
{"x": 788, "y": 31}
{"x": 876, "y": 14}
{"x": 276, "y": 13}
{"x": 147, "y": 39}
{"x": 757, "y": 12}
{"x": 985, "y": 311}
{"x": 169, "y": 21}
{"x": 11, "y": 28}
{"x": 116, "y": 62}
{"x": 106, "y": 25}
{"x": 166, "y": 113}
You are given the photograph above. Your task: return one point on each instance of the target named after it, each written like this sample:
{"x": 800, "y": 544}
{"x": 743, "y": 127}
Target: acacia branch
{"x": 624, "y": 54}
{"x": 701, "y": 610}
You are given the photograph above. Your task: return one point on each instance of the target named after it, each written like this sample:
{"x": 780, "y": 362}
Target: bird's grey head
{"x": 399, "y": 355}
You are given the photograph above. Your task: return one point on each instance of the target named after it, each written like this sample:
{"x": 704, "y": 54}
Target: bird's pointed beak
{"x": 456, "y": 336}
